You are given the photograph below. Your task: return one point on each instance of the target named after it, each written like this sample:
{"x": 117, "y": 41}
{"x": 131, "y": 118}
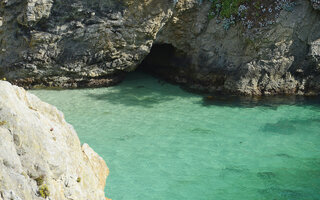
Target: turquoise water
{"x": 161, "y": 142}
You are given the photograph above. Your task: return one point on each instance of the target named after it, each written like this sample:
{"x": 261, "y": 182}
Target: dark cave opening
{"x": 166, "y": 62}
{"x": 160, "y": 58}
{"x": 175, "y": 66}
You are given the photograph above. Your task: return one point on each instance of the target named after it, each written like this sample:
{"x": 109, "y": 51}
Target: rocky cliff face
{"x": 40, "y": 154}
{"x": 71, "y": 43}
{"x": 279, "y": 58}
{"x": 93, "y": 43}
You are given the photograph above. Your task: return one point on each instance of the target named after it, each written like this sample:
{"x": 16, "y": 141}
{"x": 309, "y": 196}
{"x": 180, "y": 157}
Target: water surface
{"x": 161, "y": 142}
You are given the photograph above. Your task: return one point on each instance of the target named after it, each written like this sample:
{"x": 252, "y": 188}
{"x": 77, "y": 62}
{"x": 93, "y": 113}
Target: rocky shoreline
{"x": 40, "y": 153}
{"x": 260, "y": 49}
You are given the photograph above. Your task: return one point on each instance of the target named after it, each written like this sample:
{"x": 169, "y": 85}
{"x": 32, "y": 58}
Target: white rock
{"x": 36, "y": 141}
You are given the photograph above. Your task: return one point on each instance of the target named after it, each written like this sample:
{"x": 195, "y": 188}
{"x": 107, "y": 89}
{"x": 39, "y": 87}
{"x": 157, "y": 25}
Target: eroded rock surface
{"x": 40, "y": 153}
{"x": 282, "y": 58}
{"x": 89, "y": 43}
{"x": 71, "y": 43}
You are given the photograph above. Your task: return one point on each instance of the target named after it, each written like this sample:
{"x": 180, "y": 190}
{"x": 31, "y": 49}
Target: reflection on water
{"x": 161, "y": 142}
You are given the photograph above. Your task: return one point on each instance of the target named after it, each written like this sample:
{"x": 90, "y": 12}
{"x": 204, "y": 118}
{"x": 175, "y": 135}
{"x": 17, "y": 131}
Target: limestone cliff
{"x": 89, "y": 43}
{"x": 40, "y": 153}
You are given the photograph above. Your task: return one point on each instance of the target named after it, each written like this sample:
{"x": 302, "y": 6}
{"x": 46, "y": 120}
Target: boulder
{"x": 40, "y": 153}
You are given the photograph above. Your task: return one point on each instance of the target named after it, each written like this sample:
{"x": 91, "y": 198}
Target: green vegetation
{"x": 251, "y": 13}
{"x": 43, "y": 188}
{"x": 78, "y": 179}
{"x": 39, "y": 180}
{"x": 230, "y": 7}
{"x": 225, "y": 8}
{"x": 3, "y": 123}
{"x": 44, "y": 191}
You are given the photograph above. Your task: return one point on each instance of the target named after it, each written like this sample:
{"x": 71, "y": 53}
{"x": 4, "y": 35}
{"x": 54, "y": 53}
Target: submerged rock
{"x": 40, "y": 153}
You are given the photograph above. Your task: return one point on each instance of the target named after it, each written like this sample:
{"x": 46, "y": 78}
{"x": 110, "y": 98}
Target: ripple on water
{"x": 280, "y": 193}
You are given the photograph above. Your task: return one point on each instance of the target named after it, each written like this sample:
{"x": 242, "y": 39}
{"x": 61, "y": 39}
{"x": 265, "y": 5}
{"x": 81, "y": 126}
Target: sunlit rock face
{"x": 280, "y": 58}
{"x": 94, "y": 43}
{"x": 40, "y": 153}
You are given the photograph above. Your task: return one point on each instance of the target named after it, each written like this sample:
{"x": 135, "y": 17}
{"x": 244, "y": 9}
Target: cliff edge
{"x": 40, "y": 153}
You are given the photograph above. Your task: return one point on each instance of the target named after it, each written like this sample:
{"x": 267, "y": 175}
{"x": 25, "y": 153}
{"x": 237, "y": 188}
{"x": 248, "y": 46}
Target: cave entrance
{"x": 166, "y": 62}
{"x": 161, "y": 60}
{"x": 174, "y": 65}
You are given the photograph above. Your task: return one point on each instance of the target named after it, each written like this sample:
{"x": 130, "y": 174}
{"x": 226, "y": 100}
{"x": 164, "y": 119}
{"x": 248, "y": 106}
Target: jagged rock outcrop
{"x": 40, "y": 153}
{"x": 71, "y": 43}
{"x": 91, "y": 43}
{"x": 277, "y": 59}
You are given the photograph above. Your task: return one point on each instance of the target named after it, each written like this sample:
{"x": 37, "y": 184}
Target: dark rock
{"x": 89, "y": 43}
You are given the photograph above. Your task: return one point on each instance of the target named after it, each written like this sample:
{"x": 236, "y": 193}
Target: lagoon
{"x": 162, "y": 142}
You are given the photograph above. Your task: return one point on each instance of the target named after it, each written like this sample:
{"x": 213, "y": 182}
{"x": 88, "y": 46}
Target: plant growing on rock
{"x": 44, "y": 191}
{"x": 251, "y": 13}
{"x": 39, "y": 180}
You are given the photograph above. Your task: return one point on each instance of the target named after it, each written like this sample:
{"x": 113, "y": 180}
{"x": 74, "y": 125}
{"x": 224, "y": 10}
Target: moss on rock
{"x": 44, "y": 191}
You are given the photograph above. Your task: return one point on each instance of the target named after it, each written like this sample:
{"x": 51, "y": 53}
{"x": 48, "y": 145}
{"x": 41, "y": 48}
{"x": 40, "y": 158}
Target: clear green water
{"x": 161, "y": 142}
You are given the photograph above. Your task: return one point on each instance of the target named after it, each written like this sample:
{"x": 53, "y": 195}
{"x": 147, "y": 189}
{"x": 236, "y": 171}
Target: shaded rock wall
{"x": 275, "y": 59}
{"x": 93, "y": 43}
{"x": 40, "y": 153}
{"x": 70, "y": 43}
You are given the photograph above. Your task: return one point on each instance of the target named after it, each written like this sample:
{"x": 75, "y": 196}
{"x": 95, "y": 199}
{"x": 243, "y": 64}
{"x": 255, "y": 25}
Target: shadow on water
{"x": 279, "y": 193}
{"x": 283, "y": 155}
{"x": 133, "y": 96}
{"x": 140, "y": 90}
{"x": 274, "y": 189}
{"x": 289, "y": 127}
{"x": 250, "y": 102}
{"x": 202, "y": 131}
{"x": 233, "y": 171}
{"x": 266, "y": 175}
